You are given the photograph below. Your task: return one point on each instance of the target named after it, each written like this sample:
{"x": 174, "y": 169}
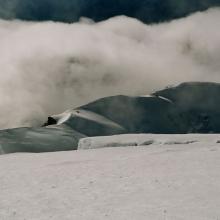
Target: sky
{"x": 148, "y": 11}
{"x": 49, "y": 66}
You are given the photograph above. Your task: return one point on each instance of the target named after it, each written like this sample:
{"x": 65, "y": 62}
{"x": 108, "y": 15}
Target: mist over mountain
{"x": 192, "y": 107}
{"x": 148, "y": 11}
{"x": 49, "y": 67}
{"x": 187, "y": 108}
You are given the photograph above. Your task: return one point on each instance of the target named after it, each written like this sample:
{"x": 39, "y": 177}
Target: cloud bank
{"x": 49, "y": 67}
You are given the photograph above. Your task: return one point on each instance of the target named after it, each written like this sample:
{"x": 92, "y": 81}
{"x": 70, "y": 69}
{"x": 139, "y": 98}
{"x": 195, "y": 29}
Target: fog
{"x": 46, "y": 68}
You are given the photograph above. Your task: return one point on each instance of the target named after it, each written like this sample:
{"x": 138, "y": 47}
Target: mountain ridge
{"x": 192, "y": 107}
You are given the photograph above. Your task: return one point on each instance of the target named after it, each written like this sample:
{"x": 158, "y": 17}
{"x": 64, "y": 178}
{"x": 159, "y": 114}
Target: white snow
{"x": 174, "y": 178}
{"x": 147, "y": 96}
{"x": 146, "y": 139}
{"x": 165, "y": 99}
{"x": 160, "y": 97}
{"x": 85, "y": 114}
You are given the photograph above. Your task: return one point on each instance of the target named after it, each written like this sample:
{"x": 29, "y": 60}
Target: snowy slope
{"x": 124, "y": 114}
{"x": 155, "y": 182}
{"x": 107, "y": 116}
{"x": 191, "y": 107}
{"x": 146, "y": 140}
{"x": 50, "y": 139}
{"x": 88, "y": 122}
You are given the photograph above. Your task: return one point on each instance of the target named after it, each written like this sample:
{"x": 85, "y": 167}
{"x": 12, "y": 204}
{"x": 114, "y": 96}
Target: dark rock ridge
{"x": 199, "y": 102}
{"x": 192, "y": 107}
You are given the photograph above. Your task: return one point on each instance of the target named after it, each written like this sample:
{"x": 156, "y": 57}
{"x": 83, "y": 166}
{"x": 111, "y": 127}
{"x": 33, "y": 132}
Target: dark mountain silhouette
{"x": 192, "y": 107}
{"x": 200, "y": 102}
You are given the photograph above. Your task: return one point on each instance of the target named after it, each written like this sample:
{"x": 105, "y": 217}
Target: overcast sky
{"x": 71, "y": 10}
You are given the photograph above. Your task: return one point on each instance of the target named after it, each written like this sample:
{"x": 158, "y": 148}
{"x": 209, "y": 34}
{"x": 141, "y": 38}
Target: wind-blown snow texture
{"x": 175, "y": 182}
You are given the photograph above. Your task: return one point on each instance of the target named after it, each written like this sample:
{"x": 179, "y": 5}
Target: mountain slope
{"x": 200, "y": 102}
{"x": 187, "y": 108}
{"x": 52, "y": 138}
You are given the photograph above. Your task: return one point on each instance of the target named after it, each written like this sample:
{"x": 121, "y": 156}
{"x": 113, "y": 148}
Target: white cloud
{"x": 48, "y": 67}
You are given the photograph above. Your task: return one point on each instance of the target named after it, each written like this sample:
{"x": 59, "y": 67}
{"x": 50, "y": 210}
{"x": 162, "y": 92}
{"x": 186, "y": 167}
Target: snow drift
{"x": 152, "y": 140}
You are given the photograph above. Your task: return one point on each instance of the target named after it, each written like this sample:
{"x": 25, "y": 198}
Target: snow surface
{"x": 176, "y": 177}
{"x": 146, "y": 139}
{"x": 85, "y": 114}
{"x": 160, "y": 97}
